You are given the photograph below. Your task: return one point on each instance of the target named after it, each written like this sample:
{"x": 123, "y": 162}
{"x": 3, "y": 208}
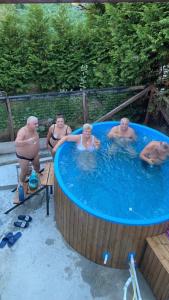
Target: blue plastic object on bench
{"x": 33, "y": 181}
{"x": 21, "y": 193}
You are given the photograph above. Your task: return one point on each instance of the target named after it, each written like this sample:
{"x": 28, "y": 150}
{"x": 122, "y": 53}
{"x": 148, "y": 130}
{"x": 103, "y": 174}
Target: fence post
{"x": 85, "y": 107}
{"x": 11, "y": 126}
{"x": 151, "y": 96}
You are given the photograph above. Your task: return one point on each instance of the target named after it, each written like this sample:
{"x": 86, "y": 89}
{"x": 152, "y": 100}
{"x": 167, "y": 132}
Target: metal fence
{"x": 77, "y": 107}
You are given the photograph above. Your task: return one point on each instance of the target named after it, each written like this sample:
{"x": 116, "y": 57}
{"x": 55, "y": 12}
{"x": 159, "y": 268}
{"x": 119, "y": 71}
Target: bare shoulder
{"x": 132, "y": 129}
{"x": 52, "y": 127}
{"x": 153, "y": 143}
{"x": 114, "y": 129}
{"x": 150, "y": 145}
{"x": 133, "y": 133}
{"x": 21, "y": 132}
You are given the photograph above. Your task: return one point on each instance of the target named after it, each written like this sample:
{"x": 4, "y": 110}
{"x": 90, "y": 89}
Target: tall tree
{"x": 38, "y": 45}
{"x": 12, "y": 53}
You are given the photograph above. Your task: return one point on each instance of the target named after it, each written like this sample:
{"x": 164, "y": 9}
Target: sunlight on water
{"x": 114, "y": 182}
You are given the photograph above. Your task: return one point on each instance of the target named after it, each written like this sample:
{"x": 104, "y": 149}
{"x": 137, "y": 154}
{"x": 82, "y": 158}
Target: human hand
{"x": 31, "y": 141}
{"x": 97, "y": 144}
{"x": 115, "y": 135}
{"x": 151, "y": 161}
{"x": 54, "y": 150}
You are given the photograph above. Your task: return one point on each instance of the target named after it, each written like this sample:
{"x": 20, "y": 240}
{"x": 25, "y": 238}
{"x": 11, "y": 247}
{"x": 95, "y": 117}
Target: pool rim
{"x": 93, "y": 212}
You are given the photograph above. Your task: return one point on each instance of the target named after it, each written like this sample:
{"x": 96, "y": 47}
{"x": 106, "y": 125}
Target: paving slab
{"x": 41, "y": 265}
{"x": 8, "y": 176}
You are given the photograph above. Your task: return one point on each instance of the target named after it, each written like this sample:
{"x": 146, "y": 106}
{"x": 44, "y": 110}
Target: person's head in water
{"x": 32, "y": 122}
{"x": 60, "y": 122}
{"x": 124, "y": 124}
{"x": 163, "y": 147}
{"x": 87, "y": 129}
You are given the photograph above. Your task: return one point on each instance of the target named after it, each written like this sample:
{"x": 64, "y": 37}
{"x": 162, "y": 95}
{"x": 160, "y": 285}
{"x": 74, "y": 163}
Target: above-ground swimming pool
{"x": 109, "y": 201}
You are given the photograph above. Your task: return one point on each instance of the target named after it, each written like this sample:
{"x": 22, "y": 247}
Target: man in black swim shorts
{"x": 27, "y": 147}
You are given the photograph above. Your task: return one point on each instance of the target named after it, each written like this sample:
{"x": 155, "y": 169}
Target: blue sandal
{"x": 12, "y": 240}
{"x": 5, "y": 239}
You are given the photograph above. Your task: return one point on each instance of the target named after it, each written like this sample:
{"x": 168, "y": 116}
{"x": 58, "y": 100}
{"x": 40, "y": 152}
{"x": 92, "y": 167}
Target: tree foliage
{"x": 108, "y": 45}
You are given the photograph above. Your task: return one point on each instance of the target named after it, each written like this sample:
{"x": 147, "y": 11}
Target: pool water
{"x": 116, "y": 186}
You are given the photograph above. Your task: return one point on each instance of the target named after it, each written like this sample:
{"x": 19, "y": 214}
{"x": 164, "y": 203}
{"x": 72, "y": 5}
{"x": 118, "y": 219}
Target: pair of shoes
{"x": 10, "y": 239}
{"x": 23, "y": 221}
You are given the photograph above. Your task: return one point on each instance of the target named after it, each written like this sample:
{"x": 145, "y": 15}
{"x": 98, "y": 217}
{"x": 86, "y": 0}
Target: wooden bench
{"x": 46, "y": 182}
{"x": 155, "y": 265}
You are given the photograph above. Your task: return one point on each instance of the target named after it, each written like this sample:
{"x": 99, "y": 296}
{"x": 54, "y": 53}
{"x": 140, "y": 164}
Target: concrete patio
{"x": 41, "y": 265}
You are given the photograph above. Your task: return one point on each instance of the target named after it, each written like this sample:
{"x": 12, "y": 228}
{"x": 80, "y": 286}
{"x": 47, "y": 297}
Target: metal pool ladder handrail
{"x": 132, "y": 280}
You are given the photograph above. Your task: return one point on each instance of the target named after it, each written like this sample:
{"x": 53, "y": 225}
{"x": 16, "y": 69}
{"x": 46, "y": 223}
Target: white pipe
{"x": 135, "y": 277}
{"x": 132, "y": 280}
{"x": 106, "y": 259}
{"x": 128, "y": 282}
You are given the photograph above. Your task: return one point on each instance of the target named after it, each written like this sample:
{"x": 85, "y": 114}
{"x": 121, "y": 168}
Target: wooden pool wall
{"x": 92, "y": 236}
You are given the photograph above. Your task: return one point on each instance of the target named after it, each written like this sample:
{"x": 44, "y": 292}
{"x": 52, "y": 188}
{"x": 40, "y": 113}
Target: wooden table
{"x": 46, "y": 182}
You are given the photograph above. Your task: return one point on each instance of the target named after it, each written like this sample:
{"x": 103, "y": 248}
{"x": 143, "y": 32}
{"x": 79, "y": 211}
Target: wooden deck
{"x": 47, "y": 177}
{"x": 155, "y": 265}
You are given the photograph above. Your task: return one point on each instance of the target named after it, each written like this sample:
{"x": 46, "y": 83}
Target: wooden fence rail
{"x": 10, "y": 131}
{"x": 125, "y": 104}
{"x": 115, "y": 90}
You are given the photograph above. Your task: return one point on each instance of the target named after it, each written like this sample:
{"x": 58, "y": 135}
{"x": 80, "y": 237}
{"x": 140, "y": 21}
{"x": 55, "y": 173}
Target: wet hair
{"x": 87, "y": 126}
{"x": 165, "y": 146}
{"x": 32, "y": 119}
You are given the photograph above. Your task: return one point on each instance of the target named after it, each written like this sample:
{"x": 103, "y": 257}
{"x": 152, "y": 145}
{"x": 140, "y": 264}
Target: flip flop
{"x": 13, "y": 239}
{"x": 25, "y": 218}
{"x": 22, "y": 224}
{"x": 5, "y": 239}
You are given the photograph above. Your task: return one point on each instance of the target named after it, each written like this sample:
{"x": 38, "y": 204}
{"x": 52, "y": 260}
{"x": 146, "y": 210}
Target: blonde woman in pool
{"x": 86, "y": 143}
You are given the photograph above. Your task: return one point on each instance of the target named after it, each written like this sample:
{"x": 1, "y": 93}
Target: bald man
{"x": 122, "y": 136}
{"x": 27, "y": 147}
{"x": 122, "y": 131}
{"x": 155, "y": 153}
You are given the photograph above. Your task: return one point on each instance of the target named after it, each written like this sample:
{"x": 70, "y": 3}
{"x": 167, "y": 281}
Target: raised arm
{"x": 69, "y": 130}
{"x": 113, "y": 133}
{"x": 67, "y": 138}
{"x": 20, "y": 139}
{"x": 49, "y": 135}
{"x": 96, "y": 143}
{"x": 133, "y": 134}
{"x": 144, "y": 155}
